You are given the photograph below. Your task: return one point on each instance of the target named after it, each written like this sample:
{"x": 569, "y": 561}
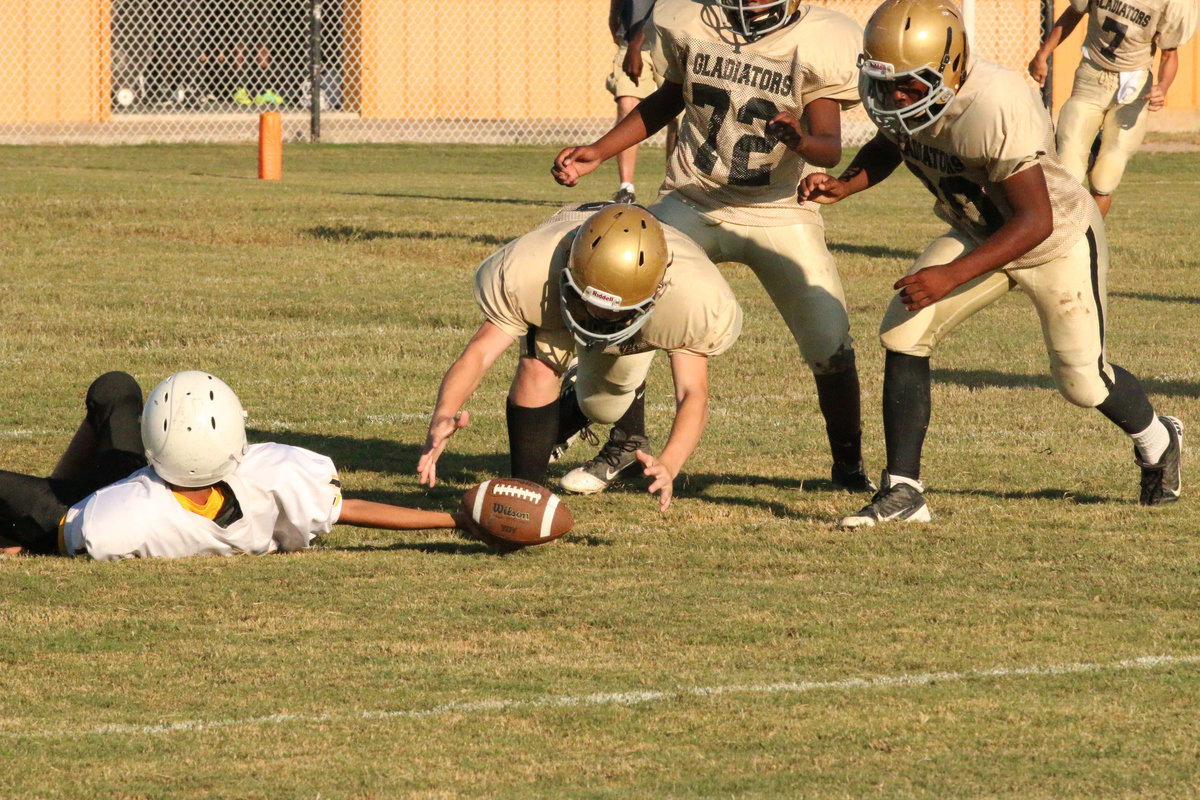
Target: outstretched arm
{"x": 459, "y": 383}
{"x": 690, "y": 373}
{"x": 875, "y": 161}
{"x": 645, "y": 120}
{"x": 368, "y": 514}
{"x": 1063, "y": 26}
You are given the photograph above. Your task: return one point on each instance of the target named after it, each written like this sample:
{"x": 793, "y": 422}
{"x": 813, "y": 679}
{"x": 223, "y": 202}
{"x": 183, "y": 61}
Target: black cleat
{"x": 852, "y": 478}
{"x": 895, "y": 502}
{"x": 625, "y": 196}
{"x": 1162, "y": 482}
{"x": 615, "y": 461}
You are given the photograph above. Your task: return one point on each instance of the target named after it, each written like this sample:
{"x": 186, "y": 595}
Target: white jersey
{"x": 287, "y": 496}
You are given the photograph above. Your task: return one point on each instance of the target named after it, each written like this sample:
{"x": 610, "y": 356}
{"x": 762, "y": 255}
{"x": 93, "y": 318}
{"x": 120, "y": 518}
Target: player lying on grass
{"x": 981, "y": 141}
{"x": 204, "y": 491}
{"x": 610, "y": 284}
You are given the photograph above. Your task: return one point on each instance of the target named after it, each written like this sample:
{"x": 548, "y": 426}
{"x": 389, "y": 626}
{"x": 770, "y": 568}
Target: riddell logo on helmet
{"x": 601, "y": 297}
{"x": 877, "y": 68}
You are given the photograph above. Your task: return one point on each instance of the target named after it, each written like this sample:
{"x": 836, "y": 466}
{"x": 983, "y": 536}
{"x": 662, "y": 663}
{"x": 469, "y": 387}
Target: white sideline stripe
{"x": 613, "y": 698}
{"x": 479, "y": 495}
{"x": 548, "y": 516}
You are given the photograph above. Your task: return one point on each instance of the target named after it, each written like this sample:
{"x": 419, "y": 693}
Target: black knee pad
{"x": 114, "y": 389}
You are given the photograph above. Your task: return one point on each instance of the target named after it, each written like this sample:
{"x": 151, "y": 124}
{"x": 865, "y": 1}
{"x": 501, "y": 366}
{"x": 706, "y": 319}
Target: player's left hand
{"x": 661, "y": 477}
{"x": 925, "y": 287}
{"x": 632, "y": 65}
{"x": 786, "y": 128}
{"x": 1157, "y": 98}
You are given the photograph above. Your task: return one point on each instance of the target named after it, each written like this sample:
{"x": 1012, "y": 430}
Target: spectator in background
{"x": 634, "y": 77}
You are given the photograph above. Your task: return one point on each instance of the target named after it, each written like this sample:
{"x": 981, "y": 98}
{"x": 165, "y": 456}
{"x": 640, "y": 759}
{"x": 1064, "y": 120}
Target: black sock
{"x": 906, "y": 408}
{"x": 531, "y": 437}
{"x": 838, "y": 396}
{"x": 633, "y": 421}
{"x": 571, "y": 420}
{"x": 1126, "y": 404}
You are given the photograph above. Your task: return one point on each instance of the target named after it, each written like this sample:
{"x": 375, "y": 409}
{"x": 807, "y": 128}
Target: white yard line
{"x": 611, "y": 698}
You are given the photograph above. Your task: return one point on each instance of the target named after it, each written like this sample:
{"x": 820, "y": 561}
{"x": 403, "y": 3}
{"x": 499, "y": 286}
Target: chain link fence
{"x": 512, "y": 71}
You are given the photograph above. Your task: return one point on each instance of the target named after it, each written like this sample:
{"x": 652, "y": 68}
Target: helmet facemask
{"x": 599, "y": 330}
{"x": 754, "y": 20}
{"x": 878, "y": 79}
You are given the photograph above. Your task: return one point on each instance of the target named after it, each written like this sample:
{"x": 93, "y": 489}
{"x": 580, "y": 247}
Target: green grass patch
{"x": 334, "y": 300}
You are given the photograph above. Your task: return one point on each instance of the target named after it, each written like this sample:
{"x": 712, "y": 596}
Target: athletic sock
{"x": 841, "y": 406}
{"x": 1152, "y": 442}
{"x": 906, "y": 409}
{"x": 626, "y": 185}
{"x": 531, "y": 436}
{"x": 633, "y": 421}
{"x": 913, "y": 482}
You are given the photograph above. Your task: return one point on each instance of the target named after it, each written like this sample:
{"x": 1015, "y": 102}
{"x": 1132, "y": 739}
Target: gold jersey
{"x": 1122, "y": 35}
{"x": 517, "y": 290}
{"x": 726, "y": 164}
{"x": 995, "y": 127}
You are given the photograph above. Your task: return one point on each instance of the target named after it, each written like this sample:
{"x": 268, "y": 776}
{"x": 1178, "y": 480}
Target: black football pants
{"x": 31, "y": 508}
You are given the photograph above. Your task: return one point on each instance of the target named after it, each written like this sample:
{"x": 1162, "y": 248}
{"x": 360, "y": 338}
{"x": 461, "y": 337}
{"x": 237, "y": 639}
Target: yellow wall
{"x": 517, "y": 59}
{"x": 1183, "y": 99}
{"x": 54, "y": 57}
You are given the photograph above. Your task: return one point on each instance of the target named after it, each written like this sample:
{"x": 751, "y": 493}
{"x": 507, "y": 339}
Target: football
{"x": 510, "y": 514}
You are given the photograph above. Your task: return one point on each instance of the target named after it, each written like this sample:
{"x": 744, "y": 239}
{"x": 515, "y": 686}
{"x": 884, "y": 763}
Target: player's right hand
{"x": 820, "y": 187}
{"x": 1038, "y": 70}
{"x": 632, "y": 65}
{"x": 573, "y": 163}
{"x": 440, "y": 431}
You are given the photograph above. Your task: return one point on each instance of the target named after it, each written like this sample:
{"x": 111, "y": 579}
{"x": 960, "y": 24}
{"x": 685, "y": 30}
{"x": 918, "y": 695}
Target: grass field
{"x": 738, "y": 646}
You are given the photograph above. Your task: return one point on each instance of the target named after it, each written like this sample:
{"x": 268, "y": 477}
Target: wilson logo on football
{"x": 519, "y": 492}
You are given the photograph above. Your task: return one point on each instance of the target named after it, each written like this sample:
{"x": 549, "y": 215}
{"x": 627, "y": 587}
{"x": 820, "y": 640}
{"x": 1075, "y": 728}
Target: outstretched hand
{"x": 662, "y": 481}
{"x": 440, "y": 431}
{"x": 573, "y": 163}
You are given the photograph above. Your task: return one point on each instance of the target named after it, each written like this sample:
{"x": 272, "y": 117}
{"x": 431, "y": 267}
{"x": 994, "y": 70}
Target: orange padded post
{"x": 270, "y": 146}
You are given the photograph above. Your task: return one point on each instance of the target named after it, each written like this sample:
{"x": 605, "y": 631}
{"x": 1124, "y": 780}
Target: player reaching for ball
{"x": 204, "y": 491}
{"x": 761, "y": 84}
{"x": 980, "y": 140}
{"x": 608, "y": 284}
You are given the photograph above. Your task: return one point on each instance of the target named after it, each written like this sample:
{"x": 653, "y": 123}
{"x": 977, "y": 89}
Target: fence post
{"x": 314, "y": 71}
{"x": 1047, "y": 26}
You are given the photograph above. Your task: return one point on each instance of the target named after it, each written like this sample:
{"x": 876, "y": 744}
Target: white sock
{"x": 894, "y": 479}
{"x": 626, "y": 185}
{"x": 1152, "y": 442}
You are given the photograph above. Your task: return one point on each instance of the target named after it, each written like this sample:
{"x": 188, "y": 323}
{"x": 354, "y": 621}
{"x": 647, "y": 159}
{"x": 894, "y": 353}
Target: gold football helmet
{"x": 754, "y": 19}
{"x": 921, "y": 40}
{"x": 615, "y": 273}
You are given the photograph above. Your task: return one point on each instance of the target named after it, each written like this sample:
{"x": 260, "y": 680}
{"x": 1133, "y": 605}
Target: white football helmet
{"x": 193, "y": 429}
